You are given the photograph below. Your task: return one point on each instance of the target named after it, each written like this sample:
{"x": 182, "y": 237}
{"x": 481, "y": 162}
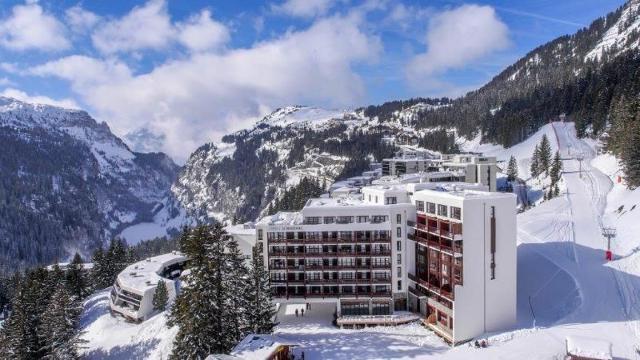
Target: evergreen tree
{"x": 535, "y": 162}
{"x": 236, "y": 283}
{"x": 261, "y": 309}
{"x": 59, "y": 330}
{"x": 200, "y": 309}
{"x": 75, "y": 278}
{"x": 99, "y": 272}
{"x": 556, "y": 169}
{"x": 512, "y": 169}
{"x": 161, "y": 296}
{"x": 544, "y": 154}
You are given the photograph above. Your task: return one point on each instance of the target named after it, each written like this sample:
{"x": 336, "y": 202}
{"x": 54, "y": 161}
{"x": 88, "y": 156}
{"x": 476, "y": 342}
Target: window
{"x": 399, "y": 272}
{"x": 399, "y": 259}
{"x": 259, "y": 234}
{"x": 369, "y": 197}
{"x": 391, "y": 200}
{"x": 442, "y": 210}
{"x": 399, "y": 218}
{"x": 420, "y": 205}
{"x": 399, "y": 232}
{"x": 431, "y": 208}
{"x": 376, "y": 219}
{"x": 376, "y": 199}
{"x": 363, "y": 219}
{"x": 328, "y": 219}
{"x": 399, "y": 245}
{"x": 456, "y": 213}
{"x": 399, "y": 285}
{"x": 312, "y": 220}
{"x": 344, "y": 219}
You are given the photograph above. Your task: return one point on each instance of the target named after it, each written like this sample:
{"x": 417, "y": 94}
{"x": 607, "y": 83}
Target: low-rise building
{"x": 133, "y": 290}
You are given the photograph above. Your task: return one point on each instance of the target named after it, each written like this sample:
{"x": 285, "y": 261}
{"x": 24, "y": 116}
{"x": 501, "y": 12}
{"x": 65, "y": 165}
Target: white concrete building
{"x": 132, "y": 292}
{"x": 470, "y": 168}
{"x": 349, "y": 250}
{"x": 462, "y": 262}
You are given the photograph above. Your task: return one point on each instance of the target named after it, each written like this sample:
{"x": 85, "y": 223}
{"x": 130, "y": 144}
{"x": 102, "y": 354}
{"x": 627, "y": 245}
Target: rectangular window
{"x": 328, "y": 220}
{"x": 399, "y": 245}
{"x": 431, "y": 208}
{"x": 399, "y": 272}
{"x": 456, "y": 213}
{"x": 399, "y": 232}
{"x": 399, "y": 259}
{"x": 399, "y": 285}
{"x": 442, "y": 210}
{"x": 259, "y": 234}
{"x": 377, "y": 219}
{"x": 391, "y": 200}
{"x": 344, "y": 219}
{"x": 363, "y": 219}
{"x": 420, "y": 205}
{"x": 399, "y": 218}
{"x": 376, "y": 199}
{"x": 312, "y": 220}
{"x": 369, "y": 197}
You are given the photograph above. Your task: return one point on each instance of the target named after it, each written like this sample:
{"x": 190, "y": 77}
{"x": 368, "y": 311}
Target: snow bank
{"x": 588, "y": 348}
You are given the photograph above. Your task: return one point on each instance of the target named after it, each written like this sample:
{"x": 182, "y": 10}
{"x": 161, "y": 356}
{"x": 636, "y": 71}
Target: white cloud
{"x": 458, "y": 37}
{"x": 304, "y": 8}
{"x": 197, "y": 99}
{"x": 29, "y": 27}
{"x": 23, "y": 96}
{"x": 201, "y": 32}
{"x": 144, "y": 27}
{"x": 80, "y": 20}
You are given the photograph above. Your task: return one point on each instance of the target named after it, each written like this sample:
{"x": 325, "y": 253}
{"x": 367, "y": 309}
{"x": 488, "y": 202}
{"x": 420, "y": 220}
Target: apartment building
{"x": 462, "y": 262}
{"x": 133, "y": 290}
{"x": 351, "y": 251}
{"x": 469, "y": 168}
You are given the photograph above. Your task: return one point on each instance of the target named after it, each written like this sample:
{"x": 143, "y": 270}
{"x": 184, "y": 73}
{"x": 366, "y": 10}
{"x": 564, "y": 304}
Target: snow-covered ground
{"x": 113, "y": 338}
{"x": 564, "y": 283}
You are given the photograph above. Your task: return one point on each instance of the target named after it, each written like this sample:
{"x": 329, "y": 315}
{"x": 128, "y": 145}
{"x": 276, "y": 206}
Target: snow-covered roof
{"x": 282, "y": 218}
{"x": 145, "y": 274}
{"x": 259, "y": 346}
{"x": 64, "y": 265}
{"x": 589, "y": 348}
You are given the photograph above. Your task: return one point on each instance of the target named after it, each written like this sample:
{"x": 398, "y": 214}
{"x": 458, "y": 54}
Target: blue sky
{"x": 189, "y": 71}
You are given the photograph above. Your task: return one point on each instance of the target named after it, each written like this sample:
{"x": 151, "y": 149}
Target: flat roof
{"x": 144, "y": 274}
{"x": 259, "y": 346}
{"x": 464, "y": 193}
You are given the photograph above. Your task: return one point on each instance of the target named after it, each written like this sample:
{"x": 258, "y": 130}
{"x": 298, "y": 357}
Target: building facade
{"x": 463, "y": 262}
{"x": 351, "y": 251}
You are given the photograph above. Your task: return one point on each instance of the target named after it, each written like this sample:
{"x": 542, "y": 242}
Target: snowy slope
{"x": 522, "y": 151}
{"x": 113, "y": 338}
{"x": 622, "y": 35}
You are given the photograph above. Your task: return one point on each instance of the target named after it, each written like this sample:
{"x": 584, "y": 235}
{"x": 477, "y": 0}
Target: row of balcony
{"x": 332, "y": 294}
{"x": 332, "y": 281}
{"x": 318, "y": 267}
{"x": 433, "y": 286}
{"x": 332, "y": 240}
{"x": 274, "y": 253}
{"x": 453, "y": 248}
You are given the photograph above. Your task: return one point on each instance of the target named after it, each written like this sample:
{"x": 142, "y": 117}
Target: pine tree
{"x": 535, "y": 162}
{"x": 75, "y": 278}
{"x": 161, "y": 296}
{"x": 556, "y": 169}
{"x": 261, "y": 310}
{"x": 100, "y": 274}
{"x": 544, "y": 154}
{"x": 512, "y": 169}
{"x": 59, "y": 330}
{"x": 236, "y": 283}
{"x": 200, "y": 309}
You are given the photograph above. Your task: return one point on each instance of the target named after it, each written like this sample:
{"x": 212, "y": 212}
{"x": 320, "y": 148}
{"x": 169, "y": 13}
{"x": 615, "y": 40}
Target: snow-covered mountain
{"x": 68, "y": 183}
{"x": 240, "y": 176}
